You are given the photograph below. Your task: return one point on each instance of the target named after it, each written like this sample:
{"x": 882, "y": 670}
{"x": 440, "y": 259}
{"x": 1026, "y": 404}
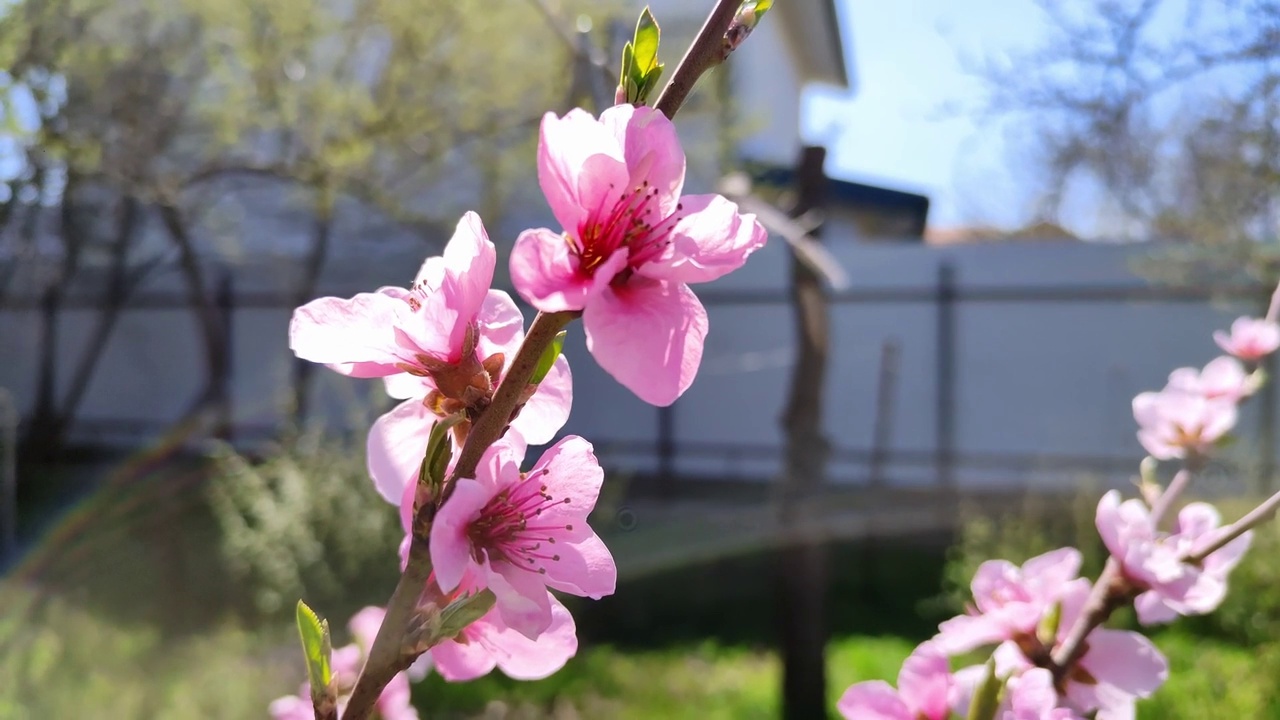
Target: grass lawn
{"x": 131, "y": 614}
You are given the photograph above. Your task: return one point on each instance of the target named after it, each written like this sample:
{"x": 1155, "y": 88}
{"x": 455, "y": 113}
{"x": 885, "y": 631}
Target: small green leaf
{"x": 986, "y": 698}
{"x": 552, "y": 352}
{"x": 640, "y": 66}
{"x": 462, "y": 612}
{"x": 628, "y": 64}
{"x": 317, "y": 649}
{"x": 1047, "y": 631}
{"x": 646, "y": 43}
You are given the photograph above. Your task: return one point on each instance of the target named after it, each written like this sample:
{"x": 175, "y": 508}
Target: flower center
{"x": 634, "y": 222}
{"x": 510, "y": 528}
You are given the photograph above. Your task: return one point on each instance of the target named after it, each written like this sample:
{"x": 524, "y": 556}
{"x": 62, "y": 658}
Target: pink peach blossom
{"x": 631, "y": 245}
{"x": 442, "y": 344}
{"x": 1251, "y": 339}
{"x": 1030, "y": 695}
{"x": 489, "y": 642}
{"x": 1223, "y": 378}
{"x": 346, "y": 663}
{"x": 522, "y": 533}
{"x": 1173, "y": 423}
{"x": 926, "y": 691}
{"x": 1153, "y": 560}
{"x": 1010, "y": 601}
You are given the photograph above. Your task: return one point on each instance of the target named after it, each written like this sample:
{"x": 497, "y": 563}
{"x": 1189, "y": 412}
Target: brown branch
{"x": 706, "y": 52}
{"x": 1254, "y": 517}
{"x": 387, "y": 656}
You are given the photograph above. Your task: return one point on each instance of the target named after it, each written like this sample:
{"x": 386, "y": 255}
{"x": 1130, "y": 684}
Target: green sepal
{"x": 317, "y": 649}
{"x": 462, "y": 612}
{"x": 986, "y": 697}
{"x": 435, "y": 463}
{"x": 552, "y": 352}
{"x": 1047, "y": 630}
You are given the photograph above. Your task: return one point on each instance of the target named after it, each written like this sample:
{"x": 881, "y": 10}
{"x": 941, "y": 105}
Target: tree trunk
{"x": 213, "y": 399}
{"x": 802, "y": 581}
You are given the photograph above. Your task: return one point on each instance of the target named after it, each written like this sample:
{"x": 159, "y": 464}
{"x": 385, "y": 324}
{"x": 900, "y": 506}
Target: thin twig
{"x": 387, "y": 657}
{"x": 706, "y": 52}
{"x": 1254, "y": 518}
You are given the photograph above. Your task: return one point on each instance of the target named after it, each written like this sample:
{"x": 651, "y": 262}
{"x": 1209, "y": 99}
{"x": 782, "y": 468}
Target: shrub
{"x": 304, "y": 523}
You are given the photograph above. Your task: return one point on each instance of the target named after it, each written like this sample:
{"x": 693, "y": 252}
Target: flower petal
{"x": 584, "y": 568}
{"x": 873, "y": 700}
{"x": 651, "y": 149}
{"x": 649, "y": 336}
{"x": 450, "y": 548}
{"x": 580, "y": 163}
{"x": 459, "y": 662}
{"x": 396, "y": 445}
{"x": 710, "y": 240}
{"x": 545, "y": 272}
{"x": 353, "y": 336}
{"x": 522, "y": 598}
{"x": 523, "y": 659}
{"x": 548, "y": 410}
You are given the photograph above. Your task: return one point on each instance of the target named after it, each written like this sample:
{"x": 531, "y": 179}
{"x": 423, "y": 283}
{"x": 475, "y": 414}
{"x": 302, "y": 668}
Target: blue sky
{"x": 896, "y": 130}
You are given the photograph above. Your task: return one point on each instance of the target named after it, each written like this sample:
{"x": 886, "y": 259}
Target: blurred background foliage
{"x": 158, "y": 618}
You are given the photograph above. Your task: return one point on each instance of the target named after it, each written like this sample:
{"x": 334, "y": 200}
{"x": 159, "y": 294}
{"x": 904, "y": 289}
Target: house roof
{"x": 851, "y": 194}
{"x": 812, "y": 27}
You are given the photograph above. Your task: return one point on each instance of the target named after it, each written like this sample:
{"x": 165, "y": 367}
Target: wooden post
{"x": 802, "y": 572}
{"x": 945, "y": 381}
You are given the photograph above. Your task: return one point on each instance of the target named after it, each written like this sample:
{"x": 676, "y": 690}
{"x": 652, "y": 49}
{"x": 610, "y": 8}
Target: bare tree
{"x": 1170, "y": 110}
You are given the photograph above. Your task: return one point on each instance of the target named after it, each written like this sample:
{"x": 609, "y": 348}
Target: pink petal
{"x": 459, "y": 662}
{"x": 1154, "y": 609}
{"x": 873, "y": 700}
{"x": 963, "y": 633}
{"x": 1052, "y": 569}
{"x": 585, "y": 568}
{"x": 1197, "y": 518}
{"x": 394, "y": 702}
{"x": 925, "y": 683}
{"x": 1108, "y": 522}
{"x": 1225, "y": 558}
{"x": 710, "y": 240}
{"x": 548, "y": 410}
{"x": 523, "y": 659}
{"x": 450, "y": 548}
{"x": 291, "y": 707}
{"x": 992, "y": 577}
{"x": 354, "y": 336}
{"x": 501, "y": 325}
{"x": 1126, "y": 666}
{"x": 571, "y": 471}
{"x": 648, "y": 335}
{"x": 651, "y": 148}
{"x": 522, "y": 599}
{"x": 396, "y": 445}
{"x": 545, "y": 272}
{"x": 364, "y": 626}
{"x": 580, "y": 166}
{"x": 469, "y": 260}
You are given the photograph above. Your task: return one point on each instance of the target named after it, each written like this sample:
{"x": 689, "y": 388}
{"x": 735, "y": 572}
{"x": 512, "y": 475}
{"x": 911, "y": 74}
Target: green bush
{"x": 305, "y": 522}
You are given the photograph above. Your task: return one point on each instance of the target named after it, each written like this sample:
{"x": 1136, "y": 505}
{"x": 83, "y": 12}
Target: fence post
{"x": 225, "y": 301}
{"x": 944, "y": 387}
{"x": 1265, "y": 482}
{"x": 8, "y": 479}
{"x": 667, "y": 451}
{"x": 886, "y": 391}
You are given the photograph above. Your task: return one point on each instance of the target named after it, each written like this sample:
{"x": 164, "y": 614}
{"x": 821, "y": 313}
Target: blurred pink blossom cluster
{"x": 1042, "y": 624}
